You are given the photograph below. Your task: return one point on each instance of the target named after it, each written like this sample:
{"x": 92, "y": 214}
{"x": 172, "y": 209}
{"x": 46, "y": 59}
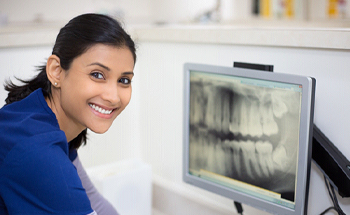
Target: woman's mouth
{"x": 101, "y": 110}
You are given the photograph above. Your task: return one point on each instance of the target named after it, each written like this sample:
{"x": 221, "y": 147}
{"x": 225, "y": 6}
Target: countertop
{"x": 255, "y": 34}
{"x": 26, "y": 35}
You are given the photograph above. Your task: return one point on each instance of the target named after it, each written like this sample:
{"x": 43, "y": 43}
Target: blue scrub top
{"x": 36, "y": 172}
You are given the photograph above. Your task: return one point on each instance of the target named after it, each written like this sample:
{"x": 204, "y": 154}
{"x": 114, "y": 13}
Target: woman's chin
{"x": 99, "y": 130}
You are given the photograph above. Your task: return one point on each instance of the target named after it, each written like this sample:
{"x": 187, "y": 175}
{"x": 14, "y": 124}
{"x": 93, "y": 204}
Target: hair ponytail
{"x": 19, "y": 92}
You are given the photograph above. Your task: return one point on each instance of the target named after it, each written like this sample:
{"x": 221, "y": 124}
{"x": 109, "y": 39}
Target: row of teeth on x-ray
{"x": 243, "y": 158}
{"x": 243, "y": 111}
{"x": 253, "y": 111}
{"x": 228, "y": 157}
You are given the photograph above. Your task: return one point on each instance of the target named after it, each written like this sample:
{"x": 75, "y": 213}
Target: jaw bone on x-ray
{"x": 245, "y": 132}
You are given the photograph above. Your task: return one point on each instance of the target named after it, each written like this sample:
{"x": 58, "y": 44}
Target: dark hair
{"x": 74, "y": 39}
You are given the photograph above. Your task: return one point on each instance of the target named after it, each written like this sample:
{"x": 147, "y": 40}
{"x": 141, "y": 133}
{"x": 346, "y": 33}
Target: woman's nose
{"x": 111, "y": 94}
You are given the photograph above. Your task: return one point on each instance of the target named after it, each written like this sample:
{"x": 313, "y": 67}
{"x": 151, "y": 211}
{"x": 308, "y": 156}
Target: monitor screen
{"x": 247, "y": 135}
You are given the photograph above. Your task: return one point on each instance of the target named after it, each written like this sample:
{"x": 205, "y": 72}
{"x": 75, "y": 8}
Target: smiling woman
{"x": 85, "y": 84}
{"x": 97, "y": 82}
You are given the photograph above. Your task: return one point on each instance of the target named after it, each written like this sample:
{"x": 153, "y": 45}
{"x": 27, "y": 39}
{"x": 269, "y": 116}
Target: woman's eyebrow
{"x": 101, "y": 65}
{"x": 128, "y": 73}
{"x": 108, "y": 69}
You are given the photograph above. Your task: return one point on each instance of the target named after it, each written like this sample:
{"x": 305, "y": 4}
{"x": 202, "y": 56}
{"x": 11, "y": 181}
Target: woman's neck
{"x": 70, "y": 128}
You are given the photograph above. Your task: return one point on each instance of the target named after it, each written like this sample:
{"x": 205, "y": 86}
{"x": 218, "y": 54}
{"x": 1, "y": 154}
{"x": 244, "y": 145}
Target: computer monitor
{"x": 248, "y": 135}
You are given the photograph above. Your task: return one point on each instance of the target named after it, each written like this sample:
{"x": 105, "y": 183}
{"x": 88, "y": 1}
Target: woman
{"x": 86, "y": 83}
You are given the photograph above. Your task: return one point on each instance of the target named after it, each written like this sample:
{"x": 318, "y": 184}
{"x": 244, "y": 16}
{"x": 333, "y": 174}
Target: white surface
{"x": 249, "y": 34}
{"x": 29, "y": 38}
{"x": 141, "y": 10}
{"x": 260, "y": 33}
{"x": 162, "y": 101}
{"x": 174, "y": 199}
{"x": 151, "y": 126}
{"x": 157, "y": 212}
{"x": 179, "y": 10}
{"x": 20, "y": 62}
{"x": 126, "y": 184}
{"x": 63, "y": 10}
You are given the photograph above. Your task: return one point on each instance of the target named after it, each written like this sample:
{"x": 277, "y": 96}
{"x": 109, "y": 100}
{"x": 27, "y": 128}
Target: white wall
{"x": 131, "y": 11}
{"x": 20, "y": 62}
{"x": 179, "y": 10}
{"x": 140, "y": 11}
{"x": 64, "y": 10}
{"x": 161, "y": 97}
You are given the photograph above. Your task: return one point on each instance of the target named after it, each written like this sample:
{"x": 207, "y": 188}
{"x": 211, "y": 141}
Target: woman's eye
{"x": 125, "y": 81}
{"x": 97, "y": 75}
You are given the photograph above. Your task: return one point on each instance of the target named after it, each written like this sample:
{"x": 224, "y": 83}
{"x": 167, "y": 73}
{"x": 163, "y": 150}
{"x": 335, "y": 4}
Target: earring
{"x": 55, "y": 83}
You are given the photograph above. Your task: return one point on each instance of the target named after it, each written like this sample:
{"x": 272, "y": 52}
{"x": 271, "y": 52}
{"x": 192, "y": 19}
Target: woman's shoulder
{"x": 28, "y": 117}
{"x": 29, "y": 123}
{"x": 34, "y": 103}
{"x": 18, "y": 147}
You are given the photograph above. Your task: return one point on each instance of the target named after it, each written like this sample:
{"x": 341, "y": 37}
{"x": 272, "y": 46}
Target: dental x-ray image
{"x": 245, "y": 132}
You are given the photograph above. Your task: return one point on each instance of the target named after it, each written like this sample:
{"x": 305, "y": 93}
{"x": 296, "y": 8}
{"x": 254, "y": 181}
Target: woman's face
{"x": 97, "y": 87}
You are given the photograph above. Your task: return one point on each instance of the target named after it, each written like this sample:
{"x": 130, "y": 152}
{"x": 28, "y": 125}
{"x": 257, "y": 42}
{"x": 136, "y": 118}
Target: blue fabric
{"x": 36, "y": 172}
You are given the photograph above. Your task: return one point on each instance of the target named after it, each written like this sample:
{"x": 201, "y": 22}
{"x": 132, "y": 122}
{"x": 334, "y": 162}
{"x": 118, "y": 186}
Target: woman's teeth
{"x": 100, "y": 110}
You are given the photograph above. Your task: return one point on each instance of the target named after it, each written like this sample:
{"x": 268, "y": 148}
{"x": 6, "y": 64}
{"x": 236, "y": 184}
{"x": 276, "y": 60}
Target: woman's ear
{"x": 54, "y": 70}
